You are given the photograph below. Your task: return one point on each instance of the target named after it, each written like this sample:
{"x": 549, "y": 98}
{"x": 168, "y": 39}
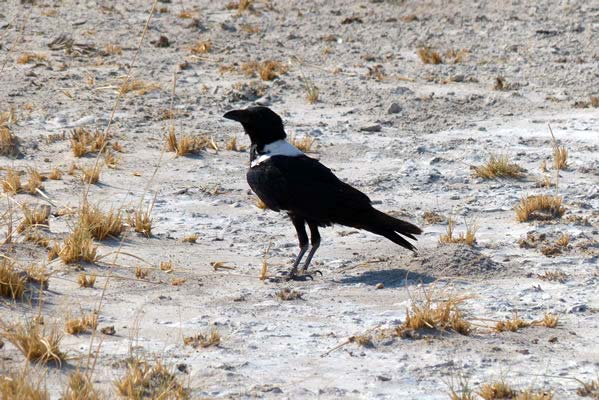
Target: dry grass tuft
{"x": 201, "y": 47}
{"x": 79, "y": 245}
{"x": 361, "y": 340}
{"x": 191, "y": 238}
{"x": 288, "y": 294}
{"x": 589, "y": 389}
{"x": 86, "y": 281}
{"x": 560, "y": 153}
{"x": 431, "y": 217}
{"x": 498, "y": 166}
{"x": 110, "y": 160}
{"x": 312, "y": 91}
{"x": 33, "y": 218}
{"x": 549, "y": 321}
{"x": 141, "y": 221}
{"x": 267, "y": 70}
{"x": 91, "y": 174}
{"x": 20, "y": 387}
{"x": 8, "y": 142}
{"x": 84, "y": 141}
{"x": 12, "y": 283}
{"x": 39, "y": 275}
{"x": 141, "y": 273}
{"x": 540, "y": 207}
{"x": 429, "y": 312}
{"x": 203, "y": 339}
{"x": 138, "y": 86}
{"x": 496, "y": 390}
{"x": 233, "y": 146}
{"x": 189, "y": 144}
{"x": 55, "y": 174}
{"x": 35, "y": 181}
{"x": 468, "y": 238}
{"x": 512, "y": 325}
{"x": 145, "y": 381}
{"x": 429, "y": 56}
{"x": 463, "y": 390}
{"x": 38, "y": 343}
{"x": 304, "y": 144}
{"x": 167, "y": 266}
{"x": 101, "y": 224}
{"x": 80, "y": 387}
{"x": 113, "y": 49}
{"x": 556, "y": 276}
{"x": 27, "y": 58}
{"x": 11, "y": 183}
{"x": 84, "y": 324}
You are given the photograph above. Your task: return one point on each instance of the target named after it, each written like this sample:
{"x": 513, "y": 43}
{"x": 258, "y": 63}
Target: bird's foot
{"x": 303, "y": 276}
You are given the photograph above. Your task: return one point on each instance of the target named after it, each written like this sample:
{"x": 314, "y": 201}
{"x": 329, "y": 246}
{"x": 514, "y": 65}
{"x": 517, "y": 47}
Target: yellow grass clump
{"x": 312, "y": 91}
{"x": 203, "y": 339}
{"x": 589, "y": 389}
{"x": 141, "y": 273}
{"x": 8, "y": 142}
{"x": 187, "y": 144}
{"x": 138, "y": 86}
{"x": 233, "y": 146}
{"x": 468, "y": 238}
{"x": 511, "y": 325}
{"x": 498, "y": 166}
{"x": 11, "y": 184}
{"x": 21, "y": 386}
{"x": 55, "y": 174}
{"x": 113, "y": 49}
{"x": 79, "y": 245}
{"x": 101, "y": 224}
{"x": 201, "y": 47}
{"x": 429, "y": 56}
{"x": 286, "y": 294}
{"x": 540, "y": 207}
{"x": 500, "y": 390}
{"x": 141, "y": 221}
{"x": 91, "y": 174}
{"x": 86, "y": 281}
{"x": 84, "y": 141}
{"x": 80, "y": 387}
{"x": 34, "y": 182}
{"x": 39, "y": 275}
{"x": 560, "y": 153}
{"x": 76, "y": 326}
{"x": 33, "y": 218}
{"x": 190, "y": 238}
{"x": 12, "y": 283}
{"x": 431, "y": 312}
{"x": 167, "y": 266}
{"x": 267, "y": 70}
{"x": 304, "y": 144}
{"x": 27, "y": 58}
{"x": 146, "y": 381}
{"x": 38, "y": 343}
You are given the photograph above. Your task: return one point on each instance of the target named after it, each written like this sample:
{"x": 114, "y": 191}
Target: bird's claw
{"x": 300, "y": 277}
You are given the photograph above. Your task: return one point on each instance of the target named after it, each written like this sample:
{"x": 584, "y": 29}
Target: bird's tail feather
{"x": 385, "y": 225}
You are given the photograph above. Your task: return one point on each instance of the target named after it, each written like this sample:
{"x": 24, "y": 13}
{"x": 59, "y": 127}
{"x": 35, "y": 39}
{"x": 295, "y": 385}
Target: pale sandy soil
{"x": 415, "y": 161}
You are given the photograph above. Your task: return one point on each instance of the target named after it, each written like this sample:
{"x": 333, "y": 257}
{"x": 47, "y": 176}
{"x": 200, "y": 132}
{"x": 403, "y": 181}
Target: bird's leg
{"x": 315, "y": 240}
{"x": 302, "y": 236}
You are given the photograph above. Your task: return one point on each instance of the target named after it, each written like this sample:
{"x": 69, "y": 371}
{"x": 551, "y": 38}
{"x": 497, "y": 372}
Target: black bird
{"x": 286, "y": 179}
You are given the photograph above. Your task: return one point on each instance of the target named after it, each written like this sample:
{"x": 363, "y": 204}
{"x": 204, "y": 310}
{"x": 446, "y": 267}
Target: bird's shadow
{"x": 390, "y": 278}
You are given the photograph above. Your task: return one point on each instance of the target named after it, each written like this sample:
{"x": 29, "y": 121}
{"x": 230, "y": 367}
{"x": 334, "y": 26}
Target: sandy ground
{"x": 413, "y": 160}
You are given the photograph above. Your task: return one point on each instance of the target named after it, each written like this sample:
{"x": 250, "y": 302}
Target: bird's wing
{"x": 306, "y": 187}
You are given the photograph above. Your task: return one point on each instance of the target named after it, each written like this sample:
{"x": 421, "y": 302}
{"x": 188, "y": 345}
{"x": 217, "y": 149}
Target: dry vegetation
{"x": 288, "y": 294}
{"x": 500, "y": 390}
{"x": 33, "y": 218}
{"x": 150, "y": 381}
{"x": 22, "y": 386}
{"x": 267, "y": 70}
{"x": 79, "y": 245}
{"x": 589, "y": 389}
{"x": 468, "y": 238}
{"x": 498, "y": 166}
{"x": 91, "y": 174}
{"x": 138, "y": 87}
{"x": 435, "y": 311}
{"x": 12, "y": 283}
{"x": 38, "y": 342}
{"x": 27, "y": 58}
{"x": 84, "y": 141}
{"x": 101, "y": 224}
{"x": 80, "y": 387}
{"x": 8, "y": 142}
{"x": 204, "y": 339}
{"x": 86, "y": 281}
{"x": 312, "y": 91}
{"x": 304, "y": 143}
{"x": 76, "y": 326}
{"x": 186, "y": 144}
{"x": 539, "y": 207}
{"x": 11, "y": 184}
{"x": 201, "y": 47}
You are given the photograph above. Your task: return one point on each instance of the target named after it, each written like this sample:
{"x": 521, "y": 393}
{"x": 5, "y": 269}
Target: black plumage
{"x": 287, "y": 180}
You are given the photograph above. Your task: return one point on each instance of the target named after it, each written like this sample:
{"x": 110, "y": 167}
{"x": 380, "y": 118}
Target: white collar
{"x": 278, "y": 148}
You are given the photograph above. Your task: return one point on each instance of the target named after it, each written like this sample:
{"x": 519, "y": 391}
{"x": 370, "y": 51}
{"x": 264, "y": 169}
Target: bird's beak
{"x": 237, "y": 115}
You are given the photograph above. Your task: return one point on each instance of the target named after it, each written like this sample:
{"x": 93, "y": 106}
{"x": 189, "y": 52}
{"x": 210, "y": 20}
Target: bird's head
{"x": 262, "y": 124}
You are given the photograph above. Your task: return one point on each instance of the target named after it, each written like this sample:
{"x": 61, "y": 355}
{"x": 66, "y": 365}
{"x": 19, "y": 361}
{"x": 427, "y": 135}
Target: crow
{"x": 285, "y": 179}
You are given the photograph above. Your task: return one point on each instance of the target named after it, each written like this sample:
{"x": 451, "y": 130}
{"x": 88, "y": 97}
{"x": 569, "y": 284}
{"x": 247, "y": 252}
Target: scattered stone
{"x": 394, "y": 108}
{"x": 380, "y": 285}
{"x": 371, "y": 128}
{"x": 108, "y": 330}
